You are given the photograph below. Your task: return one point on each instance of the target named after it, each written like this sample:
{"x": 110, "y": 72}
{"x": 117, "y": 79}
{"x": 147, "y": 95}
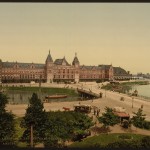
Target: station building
{"x": 53, "y": 71}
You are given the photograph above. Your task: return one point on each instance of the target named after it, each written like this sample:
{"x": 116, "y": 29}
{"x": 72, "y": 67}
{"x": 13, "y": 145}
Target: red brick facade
{"x": 53, "y": 71}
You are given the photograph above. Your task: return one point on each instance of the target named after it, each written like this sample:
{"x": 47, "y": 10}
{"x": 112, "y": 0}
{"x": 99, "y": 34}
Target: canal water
{"x": 22, "y": 97}
{"x": 143, "y": 90}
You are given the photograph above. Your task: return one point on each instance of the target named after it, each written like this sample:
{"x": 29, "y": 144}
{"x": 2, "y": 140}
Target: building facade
{"x": 53, "y": 71}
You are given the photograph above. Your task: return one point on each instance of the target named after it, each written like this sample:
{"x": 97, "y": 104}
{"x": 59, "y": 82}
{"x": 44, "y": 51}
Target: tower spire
{"x": 75, "y": 54}
{"x": 49, "y": 57}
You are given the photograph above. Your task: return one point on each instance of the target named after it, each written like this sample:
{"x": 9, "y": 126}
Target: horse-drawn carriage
{"x": 82, "y": 108}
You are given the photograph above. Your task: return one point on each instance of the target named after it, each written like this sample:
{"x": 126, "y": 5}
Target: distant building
{"x": 141, "y": 75}
{"x": 57, "y": 71}
{"x": 121, "y": 74}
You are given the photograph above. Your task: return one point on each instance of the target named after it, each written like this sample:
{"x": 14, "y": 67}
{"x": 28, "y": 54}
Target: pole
{"x": 132, "y": 101}
{"x": 31, "y": 135}
{"x": 40, "y": 86}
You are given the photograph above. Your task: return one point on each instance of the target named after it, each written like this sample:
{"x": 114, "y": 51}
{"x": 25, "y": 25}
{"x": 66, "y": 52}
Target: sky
{"x": 100, "y": 33}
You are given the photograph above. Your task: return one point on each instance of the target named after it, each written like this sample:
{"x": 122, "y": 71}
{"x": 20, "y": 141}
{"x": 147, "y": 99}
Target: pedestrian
{"x": 98, "y": 111}
{"x": 94, "y": 111}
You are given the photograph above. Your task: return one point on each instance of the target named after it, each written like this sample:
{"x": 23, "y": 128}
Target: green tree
{"x": 7, "y": 123}
{"x": 62, "y": 126}
{"x": 108, "y": 118}
{"x": 35, "y": 115}
{"x": 138, "y": 120}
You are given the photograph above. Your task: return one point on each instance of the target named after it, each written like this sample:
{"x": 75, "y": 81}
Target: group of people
{"x": 96, "y": 111}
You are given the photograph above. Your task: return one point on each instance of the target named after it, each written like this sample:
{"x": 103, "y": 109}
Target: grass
{"x": 69, "y": 92}
{"x": 104, "y": 139}
{"x": 19, "y": 132}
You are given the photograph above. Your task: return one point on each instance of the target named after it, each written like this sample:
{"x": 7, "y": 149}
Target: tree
{"x": 108, "y": 118}
{"x": 62, "y": 126}
{"x": 7, "y": 124}
{"x": 36, "y": 116}
{"x": 138, "y": 120}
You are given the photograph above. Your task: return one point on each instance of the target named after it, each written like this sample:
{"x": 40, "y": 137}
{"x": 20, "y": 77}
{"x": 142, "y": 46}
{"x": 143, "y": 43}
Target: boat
{"x": 55, "y": 96}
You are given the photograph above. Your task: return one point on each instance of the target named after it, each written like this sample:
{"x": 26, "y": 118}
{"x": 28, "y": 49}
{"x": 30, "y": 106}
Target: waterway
{"x": 143, "y": 90}
{"x": 22, "y": 97}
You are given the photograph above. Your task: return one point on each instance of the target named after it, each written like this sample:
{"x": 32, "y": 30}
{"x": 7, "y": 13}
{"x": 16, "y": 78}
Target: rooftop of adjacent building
{"x": 119, "y": 70}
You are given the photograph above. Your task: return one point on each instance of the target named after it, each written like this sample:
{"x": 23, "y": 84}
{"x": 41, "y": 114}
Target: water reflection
{"x": 22, "y": 97}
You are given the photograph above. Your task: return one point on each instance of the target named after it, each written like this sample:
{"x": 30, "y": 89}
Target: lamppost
{"x": 132, "y": 101}
{"x": 40, "y": 86}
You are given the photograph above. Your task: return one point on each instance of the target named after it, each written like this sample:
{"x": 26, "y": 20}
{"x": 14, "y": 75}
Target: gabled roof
{"x": 49, "y": 58}
{"x": 22, "y": 65}
{"x": 60, "y": 61}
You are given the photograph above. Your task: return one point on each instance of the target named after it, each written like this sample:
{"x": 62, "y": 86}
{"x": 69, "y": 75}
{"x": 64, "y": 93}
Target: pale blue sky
{"x": 100, "y": 33}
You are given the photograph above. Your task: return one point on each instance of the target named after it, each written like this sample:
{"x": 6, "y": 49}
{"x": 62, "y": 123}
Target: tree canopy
{"x": 108, "y": 118}
{"x": 62, "y": 126}
{"x": 139, "y": 119}
{"x": 35, "y": 115}
{"x": 7, "y": 127}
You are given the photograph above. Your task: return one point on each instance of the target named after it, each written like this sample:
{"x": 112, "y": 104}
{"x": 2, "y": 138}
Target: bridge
{"x": 88, "y": 94}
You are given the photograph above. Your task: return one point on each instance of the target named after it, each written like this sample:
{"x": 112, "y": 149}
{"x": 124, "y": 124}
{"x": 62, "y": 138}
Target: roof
{"x": 119, "y": 71}
{"x": 106, "y": 67}
{"x": 121, "y": 114}
{"x": 81, "y": 105}
{"x": 75, "y": 61}
{"x": 90, "y": 67}
{"x": 21, "y": 65}
{"x": 60, "y": 61}
{"x": 49, "y": 58}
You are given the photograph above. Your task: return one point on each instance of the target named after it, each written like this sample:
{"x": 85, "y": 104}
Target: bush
{"x": 145, "y": 142}
{"x": 146, "y": 125}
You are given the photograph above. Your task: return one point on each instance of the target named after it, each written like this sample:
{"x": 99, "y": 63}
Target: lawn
{"x": 19, "y": 132}
{"x": 104, "y": 139}
{"x": 70, "y": 92}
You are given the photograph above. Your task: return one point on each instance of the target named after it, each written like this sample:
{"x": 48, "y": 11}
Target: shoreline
{"x": 110, "y": 99}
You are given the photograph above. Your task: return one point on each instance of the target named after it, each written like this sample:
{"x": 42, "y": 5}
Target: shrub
{"x": 146, "y": 125}
{"x": 145, "y": 142}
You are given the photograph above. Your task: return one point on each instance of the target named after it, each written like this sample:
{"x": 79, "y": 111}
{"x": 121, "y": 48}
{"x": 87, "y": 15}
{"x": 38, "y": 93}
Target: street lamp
{"x": 132, "y": 101}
